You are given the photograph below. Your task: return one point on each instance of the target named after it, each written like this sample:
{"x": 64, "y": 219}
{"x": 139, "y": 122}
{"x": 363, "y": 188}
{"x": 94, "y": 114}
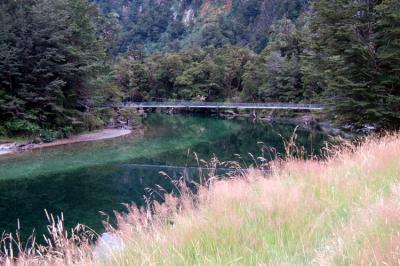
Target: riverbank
{"x": 342, "y": 211}
{"x": 14, "y": 147}
{"x": 309, "y": 120}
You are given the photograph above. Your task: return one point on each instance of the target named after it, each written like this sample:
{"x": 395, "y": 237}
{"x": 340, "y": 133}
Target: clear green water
{"x": 82, "y": 179}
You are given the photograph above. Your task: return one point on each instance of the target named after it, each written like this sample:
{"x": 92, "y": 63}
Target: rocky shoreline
{"x": 119, "y": 124}
{"x": 108, "y": 133}
{"x": 306, "y": 120}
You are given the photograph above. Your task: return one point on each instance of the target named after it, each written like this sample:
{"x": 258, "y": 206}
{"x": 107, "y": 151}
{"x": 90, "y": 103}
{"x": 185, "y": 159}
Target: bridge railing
{"x": 185, "y": 104}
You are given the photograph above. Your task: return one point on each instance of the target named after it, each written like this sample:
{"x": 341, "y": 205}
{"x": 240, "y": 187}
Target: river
{"x": 83, "y": 179}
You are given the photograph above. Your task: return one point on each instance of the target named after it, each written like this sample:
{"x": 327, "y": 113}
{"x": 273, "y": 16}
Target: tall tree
{"x": 281, "y": 63}
{"x": 388, "y": 54}
{"x": 311, "y": 62}
{"x": 50, "y": 51}
{"x": 344, "y": 33}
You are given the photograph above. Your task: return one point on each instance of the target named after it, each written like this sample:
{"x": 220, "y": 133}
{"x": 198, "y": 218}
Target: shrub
{"x": 3, "y": 131}
{"x": 106, "y": 115}
{"x": 130, "y": 114}
{"x": 91, "y": 122}
{"x": 49, "y": 135}
{"x": 22, "y": 127}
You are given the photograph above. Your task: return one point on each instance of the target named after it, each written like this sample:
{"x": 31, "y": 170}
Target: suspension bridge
{"x": 218, "y": 105}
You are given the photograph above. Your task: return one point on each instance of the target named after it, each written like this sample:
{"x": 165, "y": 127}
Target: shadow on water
{"x": 82, "y": 179}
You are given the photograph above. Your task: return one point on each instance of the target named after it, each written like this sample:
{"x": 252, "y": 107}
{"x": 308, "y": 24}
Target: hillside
{"x": 171, "y": 25}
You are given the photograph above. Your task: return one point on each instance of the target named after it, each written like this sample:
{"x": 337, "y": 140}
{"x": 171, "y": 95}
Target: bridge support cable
{"x": 218, "y": 105}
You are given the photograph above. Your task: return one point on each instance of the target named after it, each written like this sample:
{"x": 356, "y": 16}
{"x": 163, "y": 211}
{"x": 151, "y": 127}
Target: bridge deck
{"x": 219, "y": 105}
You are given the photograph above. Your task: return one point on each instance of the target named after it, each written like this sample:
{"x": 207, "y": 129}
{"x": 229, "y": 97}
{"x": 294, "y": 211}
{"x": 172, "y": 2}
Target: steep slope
{"x": 171, "y": 25}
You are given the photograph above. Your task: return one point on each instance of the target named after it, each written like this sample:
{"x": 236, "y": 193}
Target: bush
{"x": 91, "y": 122}
{"x": 49, "y": 135}
{"x": 22, "y": 127}
{"x": 3, "y": 131}
{"x": 106, "y": 115}
{"x": 130, "y": 113}
{"x": 67, "y": 131}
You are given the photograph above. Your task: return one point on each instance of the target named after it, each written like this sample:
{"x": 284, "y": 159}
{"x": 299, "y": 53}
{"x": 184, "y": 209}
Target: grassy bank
{"x": 343, "y": 211}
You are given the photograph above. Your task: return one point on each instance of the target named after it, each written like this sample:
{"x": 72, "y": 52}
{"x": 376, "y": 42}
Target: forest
{"x": 60, "y": 58}
{"x": 173, "y": 25}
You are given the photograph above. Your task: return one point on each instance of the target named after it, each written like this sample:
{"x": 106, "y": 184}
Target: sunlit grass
{"x": 341, "y": 211}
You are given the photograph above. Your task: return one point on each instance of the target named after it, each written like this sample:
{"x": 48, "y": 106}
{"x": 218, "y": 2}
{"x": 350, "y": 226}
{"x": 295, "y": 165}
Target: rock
{"x": 329, "y": 128}
{"x": 268, "y": 118}
{"x": 107, "y": 244}
{"x": 230, "y": 113}
{"x": 7, "y": 148}
{"x": 25, "y": 146}
{"x": 368, "y": 129}
{"x": 37, "y": 140}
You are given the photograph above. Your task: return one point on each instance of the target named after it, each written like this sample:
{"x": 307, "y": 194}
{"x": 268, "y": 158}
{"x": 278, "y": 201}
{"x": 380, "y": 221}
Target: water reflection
{"x": 82, "y": 179}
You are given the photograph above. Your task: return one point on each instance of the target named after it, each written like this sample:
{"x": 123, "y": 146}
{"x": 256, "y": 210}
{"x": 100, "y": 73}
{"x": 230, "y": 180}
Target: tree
{"x": 311, "y": 62}
{"x": 388, "y": 56}
{"x": 132, "y": 77}
{"x": 253, "y": 80}
{"x": 51, "y": 52}
{"x": 282, "y": 78}
{"x": 343, "y": 32}
{"x": 281, "y": 64}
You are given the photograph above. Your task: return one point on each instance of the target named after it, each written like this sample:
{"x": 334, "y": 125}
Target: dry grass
{"x": 342, "y": 211}
{"x": 62, "y": 247}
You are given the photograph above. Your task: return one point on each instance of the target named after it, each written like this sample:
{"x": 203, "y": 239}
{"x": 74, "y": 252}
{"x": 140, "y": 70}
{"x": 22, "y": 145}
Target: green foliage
{"x": 106, "y": 114}
{"x": 131, "y": 115}
{"x": 357, "y": 53}
{"x": 49, "y": 135}
{"x": 341, "y": 53}
{"x": 281, "y": 63}
{"x": 172, "y": 25}
{"x": 20, "y": 126}
{"x": 50, "y": 51}
{"x": 388, "y": 56}
{"x": 313, "y": 79}
{"x": 253, "y": 80}
{"x": 54, "y": 64}
{"x": 229, "y": 73}
{"x": 198, "y": 74}
{"x": 3, "y": 131}
{"x": 90, "y": 122}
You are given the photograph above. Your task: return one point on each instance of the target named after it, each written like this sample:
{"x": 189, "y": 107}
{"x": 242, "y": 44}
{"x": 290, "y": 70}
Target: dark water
{"x": 82, "y": 179}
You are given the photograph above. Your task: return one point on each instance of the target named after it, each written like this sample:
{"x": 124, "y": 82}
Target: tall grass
{"x": 61, "y": 246}
{"x": 341, "y": 211}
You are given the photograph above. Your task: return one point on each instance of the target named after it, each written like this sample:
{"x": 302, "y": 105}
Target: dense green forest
{"x": 52, "y": 65}
{"x": 172, "y": 25}
{"x": 58, "y": 58}
{"x": 217, "y": 74}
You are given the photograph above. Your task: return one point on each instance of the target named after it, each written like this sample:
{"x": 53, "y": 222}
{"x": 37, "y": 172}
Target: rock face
{"x": 171, "y": 25}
